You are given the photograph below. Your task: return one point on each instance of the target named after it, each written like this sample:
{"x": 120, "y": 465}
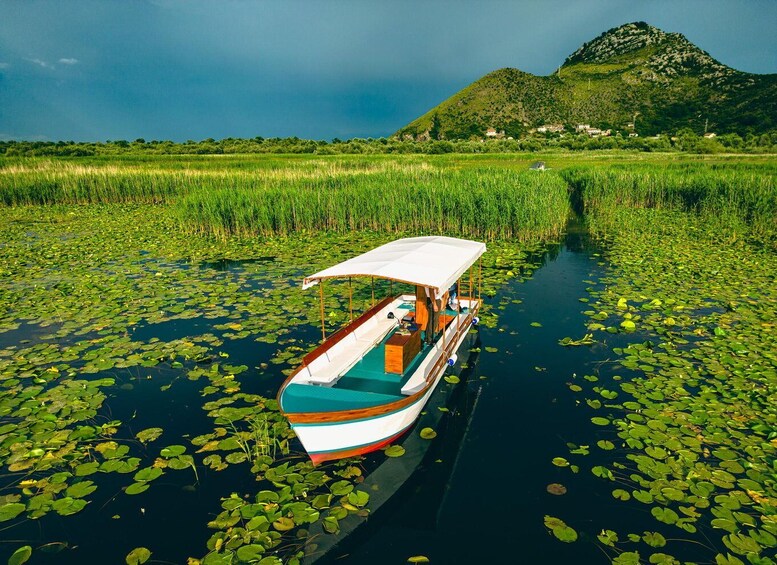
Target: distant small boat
{"x": 367, "y": 383}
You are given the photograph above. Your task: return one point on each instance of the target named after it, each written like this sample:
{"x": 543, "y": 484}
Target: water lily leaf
{"x": 358, "y": 498}
{"x": 663, "y": 559}
{"x": 283, "y": 524}
{"x": 621, "y": 494}
{"x": 556, "y": 488}
{"x": 322, "y": 501}
{"x": 148, "y": 435}
{"x": 428, "y": 433}
{"x": 394, "y": 451}
{"x": 741, "y": 544}
{"x": 654, "y": 539}
{"x": 138, "y": 556}
{"x": 172, "y": 451}
{"x": 67, "y": 506}
{"x": 418, "y": 559}
{"x": 727, "y": 559}
{"x": 599, "y": 421}
{"x": 136, "y": 488}
{"x": 341, "y": 488}
{"x": 331, "y": 525}
{"x": 608, "y": 537}
{"x": 627, "y": 558}
{"x": 643, "y": 496}
{"x": 20, "y": 556}
{"x": 763, "y": 537}
{"x": 81, "y": 489}
{"x": 665, "y": 515}
{"x": 672, "y": 493}
{"x": 724, "y": 524}
{"x": 560, "y": 529}
{"x": 85, "y": 469}
{"x": 603, "y": 472}
{"x": 249, "y": 553}
{"x": 148, "y": 474}
{"x": 560, "y": 462}
{"x": 10, "y": 511}
{"x": 605, "y": 444}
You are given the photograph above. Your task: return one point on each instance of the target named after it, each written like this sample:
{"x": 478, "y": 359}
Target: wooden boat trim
{"x": 366, "y": 413}
{"x": 336, "y": 337}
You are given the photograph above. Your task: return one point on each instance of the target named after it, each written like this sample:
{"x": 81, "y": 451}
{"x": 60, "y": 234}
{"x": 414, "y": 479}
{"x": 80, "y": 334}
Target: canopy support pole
{"x": 480, "y": 276}
{"x": 458, "y": 306}
{"x": 350, "y": 298}
{"x": 321, "y": 294}
{"x": 372, "y": 282}
{"x": 471, "y": 287}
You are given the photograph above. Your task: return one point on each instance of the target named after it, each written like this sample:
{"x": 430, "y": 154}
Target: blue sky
{"x": 175, "y": 69}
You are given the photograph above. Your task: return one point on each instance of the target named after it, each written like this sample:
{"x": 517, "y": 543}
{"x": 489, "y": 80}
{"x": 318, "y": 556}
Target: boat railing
{"x": 443, "y": 349}
{"x": 340, "y": 334}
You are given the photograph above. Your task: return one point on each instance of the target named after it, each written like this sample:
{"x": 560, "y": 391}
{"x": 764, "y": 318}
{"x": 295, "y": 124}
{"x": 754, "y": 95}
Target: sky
{"x": 317, "y": 69}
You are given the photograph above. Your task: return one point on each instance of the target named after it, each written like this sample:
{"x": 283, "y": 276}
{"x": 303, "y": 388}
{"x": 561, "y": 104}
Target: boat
{"x": 367, "y": 383}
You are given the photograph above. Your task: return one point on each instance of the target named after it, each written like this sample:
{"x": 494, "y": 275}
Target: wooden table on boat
{"x": 400, "y": 351}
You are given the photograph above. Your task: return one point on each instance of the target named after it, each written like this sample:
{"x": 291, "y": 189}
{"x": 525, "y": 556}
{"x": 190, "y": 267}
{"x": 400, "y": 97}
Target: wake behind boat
{"x": 367, "y": 383}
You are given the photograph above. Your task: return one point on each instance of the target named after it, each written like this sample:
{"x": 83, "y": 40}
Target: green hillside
{"x": 634, "y": 73}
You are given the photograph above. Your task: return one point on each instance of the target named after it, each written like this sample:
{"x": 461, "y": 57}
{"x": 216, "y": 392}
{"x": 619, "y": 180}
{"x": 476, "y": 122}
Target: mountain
{"x": 634, "y": 73}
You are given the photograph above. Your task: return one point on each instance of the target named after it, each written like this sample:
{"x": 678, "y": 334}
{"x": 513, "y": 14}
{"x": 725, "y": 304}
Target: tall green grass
{"x": 476, "y": 202}
{"x": 734, "y": 198}
{"x": 482, "y": 196}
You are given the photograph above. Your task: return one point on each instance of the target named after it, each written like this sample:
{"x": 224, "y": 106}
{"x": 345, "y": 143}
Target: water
{"x": 491, "y": 508}
{"x": 485, "y": 499}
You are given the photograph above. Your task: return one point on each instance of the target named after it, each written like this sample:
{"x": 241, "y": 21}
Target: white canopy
{"x": 434, "y": 262}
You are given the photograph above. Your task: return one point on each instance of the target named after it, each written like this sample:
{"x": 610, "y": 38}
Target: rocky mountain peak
{"x": 616, "y": 42}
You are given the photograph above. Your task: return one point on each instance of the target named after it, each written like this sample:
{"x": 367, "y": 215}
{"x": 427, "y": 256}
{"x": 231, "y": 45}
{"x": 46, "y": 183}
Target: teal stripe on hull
{"x": 303, "y": 398}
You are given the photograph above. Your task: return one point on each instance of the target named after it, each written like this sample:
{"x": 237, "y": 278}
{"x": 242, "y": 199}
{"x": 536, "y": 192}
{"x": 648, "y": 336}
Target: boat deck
{"x": 369, "y": 374}
{"x": 365, "y": 383}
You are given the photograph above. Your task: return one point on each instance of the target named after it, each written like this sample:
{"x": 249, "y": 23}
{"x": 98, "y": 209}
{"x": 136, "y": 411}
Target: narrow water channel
{"x": 491, "y": 508}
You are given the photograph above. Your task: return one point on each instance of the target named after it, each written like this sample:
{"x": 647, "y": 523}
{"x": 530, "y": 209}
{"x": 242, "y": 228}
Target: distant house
{"x": 630, "y": 125}
{"x": 491, "y": 133}
{"x": 582, "y": 127}
{"x": 710, "y": 135}
{"x": 593, "y": 132}
{"x": 633, "y": 134}
{"x": 551, "y": 128}
{"x": 538, "y": 166}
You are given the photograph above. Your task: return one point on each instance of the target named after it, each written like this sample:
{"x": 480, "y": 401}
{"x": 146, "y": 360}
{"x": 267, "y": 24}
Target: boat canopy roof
{"x": 434, "y": 262}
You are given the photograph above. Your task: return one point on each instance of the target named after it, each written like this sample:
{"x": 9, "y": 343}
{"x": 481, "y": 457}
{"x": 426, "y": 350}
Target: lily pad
{"x": 394, "y": 451}
{"x": 138, "y": 556}
{"x": 20, "y": 556}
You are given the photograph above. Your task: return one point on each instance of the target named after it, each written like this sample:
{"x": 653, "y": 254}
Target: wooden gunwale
{"x": 364, "y": 413}
{"x": 336, "y": 337}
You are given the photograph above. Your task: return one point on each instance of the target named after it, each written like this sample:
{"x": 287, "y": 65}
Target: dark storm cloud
{"x": 318, "y": 69}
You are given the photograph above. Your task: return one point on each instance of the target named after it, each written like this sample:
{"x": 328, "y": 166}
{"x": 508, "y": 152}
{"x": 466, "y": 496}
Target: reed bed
{"x": 481, "y": 197}
{"x": 476, "y": 202}
{"x": 738, "y": 198}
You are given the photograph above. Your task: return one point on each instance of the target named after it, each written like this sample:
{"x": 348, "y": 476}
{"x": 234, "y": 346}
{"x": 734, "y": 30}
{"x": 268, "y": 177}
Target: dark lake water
{"x": 491, "y": 507}
{"x": 481, "y": 496}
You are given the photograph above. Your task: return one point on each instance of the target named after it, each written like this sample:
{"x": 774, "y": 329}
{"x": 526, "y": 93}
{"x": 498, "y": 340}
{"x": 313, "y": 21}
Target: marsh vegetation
{"x": 150, "y": 309}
